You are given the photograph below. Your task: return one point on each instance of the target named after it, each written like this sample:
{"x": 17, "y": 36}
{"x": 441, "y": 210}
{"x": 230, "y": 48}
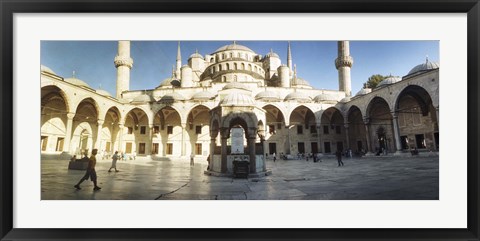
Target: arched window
{"x": 224, "y": 78}
{"x": 231, "y": 55}
{"x": 239, "y": 55}
{"x": 228, "y": 67}
{"x": 256, "y": 69}
{"x": 212, "y": 60}
{"x": 235, "y": 66}
{"x": 223, "y": 56}
{"x": 243, "y": 66}
{"x": 250, "y": 67}
{"x": 220, "y": 67}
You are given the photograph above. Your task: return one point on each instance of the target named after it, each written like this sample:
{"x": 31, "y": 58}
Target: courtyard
{"x": 367, "y": 178}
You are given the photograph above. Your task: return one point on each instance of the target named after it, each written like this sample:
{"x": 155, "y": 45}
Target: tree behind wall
{"x": 374, "y": 80}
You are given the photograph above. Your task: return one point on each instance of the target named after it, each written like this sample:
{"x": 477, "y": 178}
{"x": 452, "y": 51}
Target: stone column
{"x": 68, "y": 134}
{"x": 287, "y": 151}
{"x": 120, "y": 137}
{"x": 367, "y": 128}
{"x": 99, "y": 134}
{"x": 251, "y": 152}
{"x": 224, "y": 135}
{"x": 396, "y": 133}
{"x": 184, "y": 129}
{"x": 347, "y": 136}
{"x": 320, "y": 144}
{"x": 212, "y": 149}
{"x": 149, "y": 147}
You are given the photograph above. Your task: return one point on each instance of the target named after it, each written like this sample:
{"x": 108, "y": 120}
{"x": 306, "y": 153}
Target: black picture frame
{"x": 9, "y": 7}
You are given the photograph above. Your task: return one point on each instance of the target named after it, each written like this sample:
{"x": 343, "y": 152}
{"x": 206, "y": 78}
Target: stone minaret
{"x": 343, "y": 64}
{"x": 123, "y": 63}
{"x": 179, "y": 62}
{"x": 289, "y": 60}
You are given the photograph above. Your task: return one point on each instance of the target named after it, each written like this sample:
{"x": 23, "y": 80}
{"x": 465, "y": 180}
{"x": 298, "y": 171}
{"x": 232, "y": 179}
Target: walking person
{"x": 339, "y": 158}
{"x": 192, "y": 159}
{"x": 274, "y": 157}
{"x": 114, "y": 162}
{"x": 90, "y": 173}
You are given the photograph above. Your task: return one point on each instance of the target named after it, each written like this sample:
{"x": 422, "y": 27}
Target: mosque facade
{"x": 194, "y": 112}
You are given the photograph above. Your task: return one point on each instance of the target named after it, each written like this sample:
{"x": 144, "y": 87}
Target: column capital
{"x": 100, "y": 122}
{"x": 70, "y": 115}
{"x": 366, "y": 120}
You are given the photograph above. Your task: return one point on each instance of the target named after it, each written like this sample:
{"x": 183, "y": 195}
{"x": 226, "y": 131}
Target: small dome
{"x": 363, "y": 91}
{"x": 103, "y": 92}
{"x": 298, "y": 96}
{"x": 389, "y": 80}
{"x": 143, "y": 98}
{"x": 235, "y": 85}
{"x": 171, "y": 97}
{"x": 267, "y": 96}
{"x": 204, "y": 95}
{"x": 76, "y": 81}
{"x": 325, "y": 97}
{"x": 196, "y": 55}
{"x": 166, "y": 82}
{"x": 45, "y": 69}
{"x": 237, "y": 99}
{"x": 272, "y": 55}
{"x": 234, "y": 46}
{"x": 424, "y": 67}
{"x": 300, "y": 81}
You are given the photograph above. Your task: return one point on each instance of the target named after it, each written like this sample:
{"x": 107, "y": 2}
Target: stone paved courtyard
{"x": 368, "y": 178}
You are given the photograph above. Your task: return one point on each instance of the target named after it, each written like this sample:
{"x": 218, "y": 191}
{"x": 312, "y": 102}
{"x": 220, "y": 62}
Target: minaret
{"x": 343, "y": 64}
{"x": 179, "y": 62}
{"x": 289, "y": 60}
{"x": 123, "y": 63}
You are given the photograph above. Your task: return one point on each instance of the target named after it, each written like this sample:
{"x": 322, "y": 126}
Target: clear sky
{"x": 92, "y": 61}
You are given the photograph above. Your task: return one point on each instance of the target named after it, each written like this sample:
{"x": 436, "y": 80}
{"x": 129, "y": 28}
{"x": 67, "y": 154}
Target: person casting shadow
{"x": 90, "y": 173}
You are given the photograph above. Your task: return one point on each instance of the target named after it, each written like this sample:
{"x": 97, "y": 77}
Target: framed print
{"x": 262, "y": 120}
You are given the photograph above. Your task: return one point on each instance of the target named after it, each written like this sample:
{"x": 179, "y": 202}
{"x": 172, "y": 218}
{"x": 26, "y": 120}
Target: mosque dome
{"x": 300, "y": 81}
{"x": 234, "y": 46}
{"x": 325, "y": 97}
{"x": 166, "y": 82}
{"x": 272, "y": 55}
{"x": 204, "y": 95}
{"x": 143, "y": 98}
{"x": 345, "y": 100}
{"x": 171, "y": 97}
{"x": 389, "y": 80}
{"x": 103, "y": 92}
{"x": 237, "y": 99}
{"x": 235, "y": 85}
{"x": 424, "y": 67}
{"x": 363, "y": 91}
{"x": 298, "y": 96}
{"x": 76, "y": 81}
{"x": 196, "y": 55}
{"x": 45, "y": 69}
{"x": 267, "y": 96}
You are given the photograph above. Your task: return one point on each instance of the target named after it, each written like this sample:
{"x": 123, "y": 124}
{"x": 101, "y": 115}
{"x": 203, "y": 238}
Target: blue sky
{"x": 92, "y": 61}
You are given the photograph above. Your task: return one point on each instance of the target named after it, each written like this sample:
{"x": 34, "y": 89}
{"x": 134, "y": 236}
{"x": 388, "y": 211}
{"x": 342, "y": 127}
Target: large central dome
{"x": 234, "y": 46}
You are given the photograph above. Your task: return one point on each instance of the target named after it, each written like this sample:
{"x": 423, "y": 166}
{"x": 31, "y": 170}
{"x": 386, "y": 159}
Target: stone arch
{"x": 168, "y": 129}
{"x": 356, "y": 129}
{"x": 137, "y": 132}
{"x": 380, "y": 125}
{"x": 110, "y": 130}
{"x": 247, "y": 120}
{"x": 333, "y": 130}
{"x": 198, "y": 129}
{"x": 91, "y": 104}
{"x": 417, "y": 119}
{"x": 50, "y": 91}
{"x": 306, "y": 109}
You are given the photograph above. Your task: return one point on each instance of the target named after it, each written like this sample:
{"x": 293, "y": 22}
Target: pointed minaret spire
{"x": 179, "y": 62}
{"x": 289, "y": 59}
